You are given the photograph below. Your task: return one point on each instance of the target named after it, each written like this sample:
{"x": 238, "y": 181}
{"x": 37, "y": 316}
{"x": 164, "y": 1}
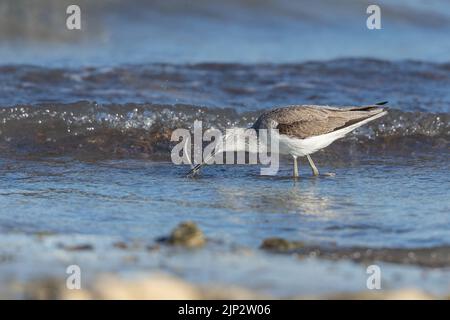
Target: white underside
{"x": 302, "y": 147}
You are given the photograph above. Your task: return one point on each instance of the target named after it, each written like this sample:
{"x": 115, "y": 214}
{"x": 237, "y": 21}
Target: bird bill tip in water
{"x": 194, "y": 171}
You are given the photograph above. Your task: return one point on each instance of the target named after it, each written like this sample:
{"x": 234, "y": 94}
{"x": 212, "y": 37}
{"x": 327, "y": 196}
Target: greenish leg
{"x": 313, "y": 166}
{"x": 295, "y": 167}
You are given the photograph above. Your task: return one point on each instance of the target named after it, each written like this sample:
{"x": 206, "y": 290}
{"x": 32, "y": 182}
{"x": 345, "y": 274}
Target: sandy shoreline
{"x": 162, "y": 287}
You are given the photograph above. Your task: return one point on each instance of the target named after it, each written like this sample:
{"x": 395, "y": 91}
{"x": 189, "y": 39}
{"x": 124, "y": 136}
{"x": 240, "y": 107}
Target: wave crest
{"x": 144, "y": 130}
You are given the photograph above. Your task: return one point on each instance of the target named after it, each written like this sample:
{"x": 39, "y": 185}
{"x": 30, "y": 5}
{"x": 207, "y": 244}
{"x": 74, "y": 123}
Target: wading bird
{"x": 303, "y": 130}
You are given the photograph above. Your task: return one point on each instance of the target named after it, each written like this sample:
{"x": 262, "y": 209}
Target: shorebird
{"x": 305, "y": 129}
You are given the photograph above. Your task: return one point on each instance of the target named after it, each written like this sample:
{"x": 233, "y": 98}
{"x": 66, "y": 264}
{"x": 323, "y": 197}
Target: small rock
{"x": 187, "y": 234}
{"x": 79, "y": 247}
{"x": 280, "y": 244}
{"x": 120, "y": 245}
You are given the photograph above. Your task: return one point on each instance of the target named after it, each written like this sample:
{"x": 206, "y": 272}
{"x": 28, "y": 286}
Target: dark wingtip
{"x": 382, "y": 103}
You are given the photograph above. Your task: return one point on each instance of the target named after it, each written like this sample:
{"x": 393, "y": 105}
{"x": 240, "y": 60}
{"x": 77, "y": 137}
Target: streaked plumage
{"x": 305, "y": 121}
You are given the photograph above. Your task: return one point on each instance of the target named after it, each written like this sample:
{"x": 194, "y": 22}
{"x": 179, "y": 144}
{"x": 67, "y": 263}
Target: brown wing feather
{"x": 307, "y": 121}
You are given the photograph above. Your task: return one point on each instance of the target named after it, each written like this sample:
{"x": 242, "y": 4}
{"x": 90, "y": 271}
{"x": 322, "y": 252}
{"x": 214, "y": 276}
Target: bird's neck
{"x": 241, "y": 139}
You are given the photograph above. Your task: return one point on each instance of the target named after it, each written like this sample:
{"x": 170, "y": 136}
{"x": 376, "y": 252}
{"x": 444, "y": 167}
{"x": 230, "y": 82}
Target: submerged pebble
{"x": 120, "y": 245}
{"x": 77, "y": 247}
{"x": 186, "y": 234}
{"x": 280, "y": 244}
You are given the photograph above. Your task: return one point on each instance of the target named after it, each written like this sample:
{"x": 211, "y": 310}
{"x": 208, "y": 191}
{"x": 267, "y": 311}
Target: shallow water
{"x": 386, "y": 203}
{"x": 379, "y": 202}
{"x": 86, "y": 120}
{"x": 100, "y": 172}
{"x": 236, "y": 31}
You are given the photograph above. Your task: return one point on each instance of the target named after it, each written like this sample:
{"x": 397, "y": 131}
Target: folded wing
{"x": 306, "y": 121}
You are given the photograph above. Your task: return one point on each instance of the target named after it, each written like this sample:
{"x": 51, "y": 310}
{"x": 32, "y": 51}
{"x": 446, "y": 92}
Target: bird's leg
{"x": 295, "y": 167}
{"x": 313, "y": 166}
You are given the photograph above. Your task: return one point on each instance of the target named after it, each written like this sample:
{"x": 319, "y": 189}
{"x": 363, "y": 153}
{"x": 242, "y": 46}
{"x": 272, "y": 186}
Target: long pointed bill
{"x": 197, "y": 167}
{"x": 195, "y": 170}
{"x": 220, "y": 148}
